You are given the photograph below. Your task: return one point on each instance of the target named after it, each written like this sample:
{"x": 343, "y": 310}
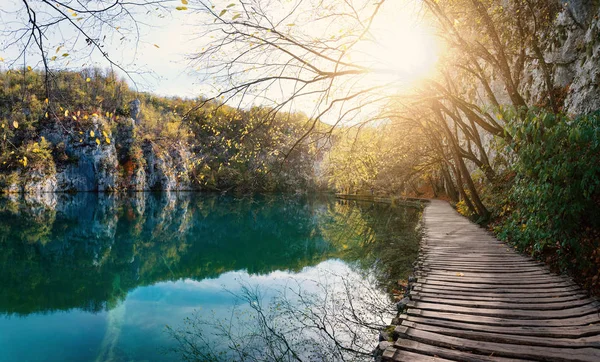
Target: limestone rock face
{"x": 573, "y": 46}
{"x": 166, "y": 169}
{"x": 38, "y": 182}
{"x": 88, "y": 157}
{"x": 134, "y": 109}
{"x": 92, "y": 161}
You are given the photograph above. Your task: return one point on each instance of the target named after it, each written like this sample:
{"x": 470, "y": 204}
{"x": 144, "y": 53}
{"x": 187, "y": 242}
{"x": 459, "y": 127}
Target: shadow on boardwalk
{"x": 475, "y": 299}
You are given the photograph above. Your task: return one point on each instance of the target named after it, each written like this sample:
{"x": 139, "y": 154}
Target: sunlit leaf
{"x": 29, "y": 68}
{"x": 184, "y": 2}
{"x": 88, "y": 79}
{"x": 97, "y": 141}
{"x": 107, "y": 140}
{"x": 67, "y": 113}
{"x": 92, "y": 134}
{"x": 15, "y": 124}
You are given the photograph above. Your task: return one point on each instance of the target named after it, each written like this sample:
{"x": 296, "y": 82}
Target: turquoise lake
{"x": 99, "y": 277}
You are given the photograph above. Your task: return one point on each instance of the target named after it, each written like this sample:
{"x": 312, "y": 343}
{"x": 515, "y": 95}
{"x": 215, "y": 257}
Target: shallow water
{"x": 91, "y": 277}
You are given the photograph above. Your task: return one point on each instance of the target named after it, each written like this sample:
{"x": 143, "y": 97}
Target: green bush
{"x": 553, "y": 205}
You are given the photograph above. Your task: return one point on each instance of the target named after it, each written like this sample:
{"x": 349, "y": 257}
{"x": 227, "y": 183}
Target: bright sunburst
{"x": 401, "y": 45}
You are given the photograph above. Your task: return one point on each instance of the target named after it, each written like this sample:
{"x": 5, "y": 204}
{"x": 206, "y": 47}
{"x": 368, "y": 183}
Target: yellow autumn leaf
{"x": 88, "y": 79}
{"x": 107, "y": 114}
{"x": 92, "y": 134}
{"x": 108, "y": 140}
{"x": 156, "y": 46}
{"x": 66, "y": 113}
{"x": 46, "y": 101}
{"x": 29, "y": 68}
{"x": 80, "y": 140}
{"x": 104, "y": 134}
{"x": 24, "y": 161}
{"x": 15, "y": 124}
{"x": 98, "y": 142}
{"x": 179, "y": 8}
{"x": 184, "y": 2}
{"x": 46, "y": 114}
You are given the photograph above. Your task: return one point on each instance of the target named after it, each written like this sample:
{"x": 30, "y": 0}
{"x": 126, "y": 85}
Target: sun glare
{"x": 401, "y": 46}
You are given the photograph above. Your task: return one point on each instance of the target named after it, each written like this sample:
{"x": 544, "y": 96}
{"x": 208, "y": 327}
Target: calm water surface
{"x": 92, "y": 277}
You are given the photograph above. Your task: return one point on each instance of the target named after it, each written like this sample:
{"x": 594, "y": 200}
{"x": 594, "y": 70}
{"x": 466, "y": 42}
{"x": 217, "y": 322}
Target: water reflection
{"x": 117, "y": 268}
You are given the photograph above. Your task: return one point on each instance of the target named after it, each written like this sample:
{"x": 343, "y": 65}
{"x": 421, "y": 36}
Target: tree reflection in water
{"x": 60, "y": 252}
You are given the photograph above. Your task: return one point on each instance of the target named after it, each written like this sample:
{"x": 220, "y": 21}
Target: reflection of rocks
{"x": 62, "y": 251}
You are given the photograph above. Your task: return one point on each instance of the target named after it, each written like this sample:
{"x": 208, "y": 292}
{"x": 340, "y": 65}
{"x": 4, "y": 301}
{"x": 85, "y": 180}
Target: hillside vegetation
{"x": 85, "y": 120}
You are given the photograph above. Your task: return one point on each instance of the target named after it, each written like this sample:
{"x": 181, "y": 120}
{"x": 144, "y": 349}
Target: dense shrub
{"x": 553, "y": 205}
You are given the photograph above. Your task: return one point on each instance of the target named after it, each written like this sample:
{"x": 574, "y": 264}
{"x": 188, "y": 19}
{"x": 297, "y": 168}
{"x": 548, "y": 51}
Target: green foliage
{"x": 216, "y": 146}
{"x": 554, "y": 202}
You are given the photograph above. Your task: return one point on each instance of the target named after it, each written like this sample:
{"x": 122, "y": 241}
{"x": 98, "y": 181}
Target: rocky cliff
{"x": 89, "y": 158}
{"x": 573, "y": 52}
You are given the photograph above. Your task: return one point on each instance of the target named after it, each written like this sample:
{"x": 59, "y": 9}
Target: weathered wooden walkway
{"x": 475, "y": 299}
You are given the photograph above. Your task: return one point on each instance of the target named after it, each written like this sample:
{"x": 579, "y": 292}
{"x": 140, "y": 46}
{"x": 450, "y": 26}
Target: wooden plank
{"x": 507, "y": 313}
{"x": 531, "y": 305}
{"x": 407, "y": 356}
{"x": 509, "y": 290}
{"x": 593, "y": 341}
{"x": 500, "y": 298}
{"x": 418, "y": 347}
{"x": 479, "y": 319}
{"x": 553, "y": 332}
{"x": 504, "y": 350}
{"x": 481, "y": 283}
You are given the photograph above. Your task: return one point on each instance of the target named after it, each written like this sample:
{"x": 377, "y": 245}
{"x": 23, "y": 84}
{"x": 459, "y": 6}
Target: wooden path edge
{"x": 473, "y": 298}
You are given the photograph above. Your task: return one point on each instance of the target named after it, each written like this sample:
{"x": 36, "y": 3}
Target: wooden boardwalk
{"x": 475, "y": 299}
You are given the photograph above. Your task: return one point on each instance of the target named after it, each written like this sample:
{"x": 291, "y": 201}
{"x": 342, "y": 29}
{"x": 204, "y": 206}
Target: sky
{"x": 162, "y": 52}
{"x": 161, "y": 41}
